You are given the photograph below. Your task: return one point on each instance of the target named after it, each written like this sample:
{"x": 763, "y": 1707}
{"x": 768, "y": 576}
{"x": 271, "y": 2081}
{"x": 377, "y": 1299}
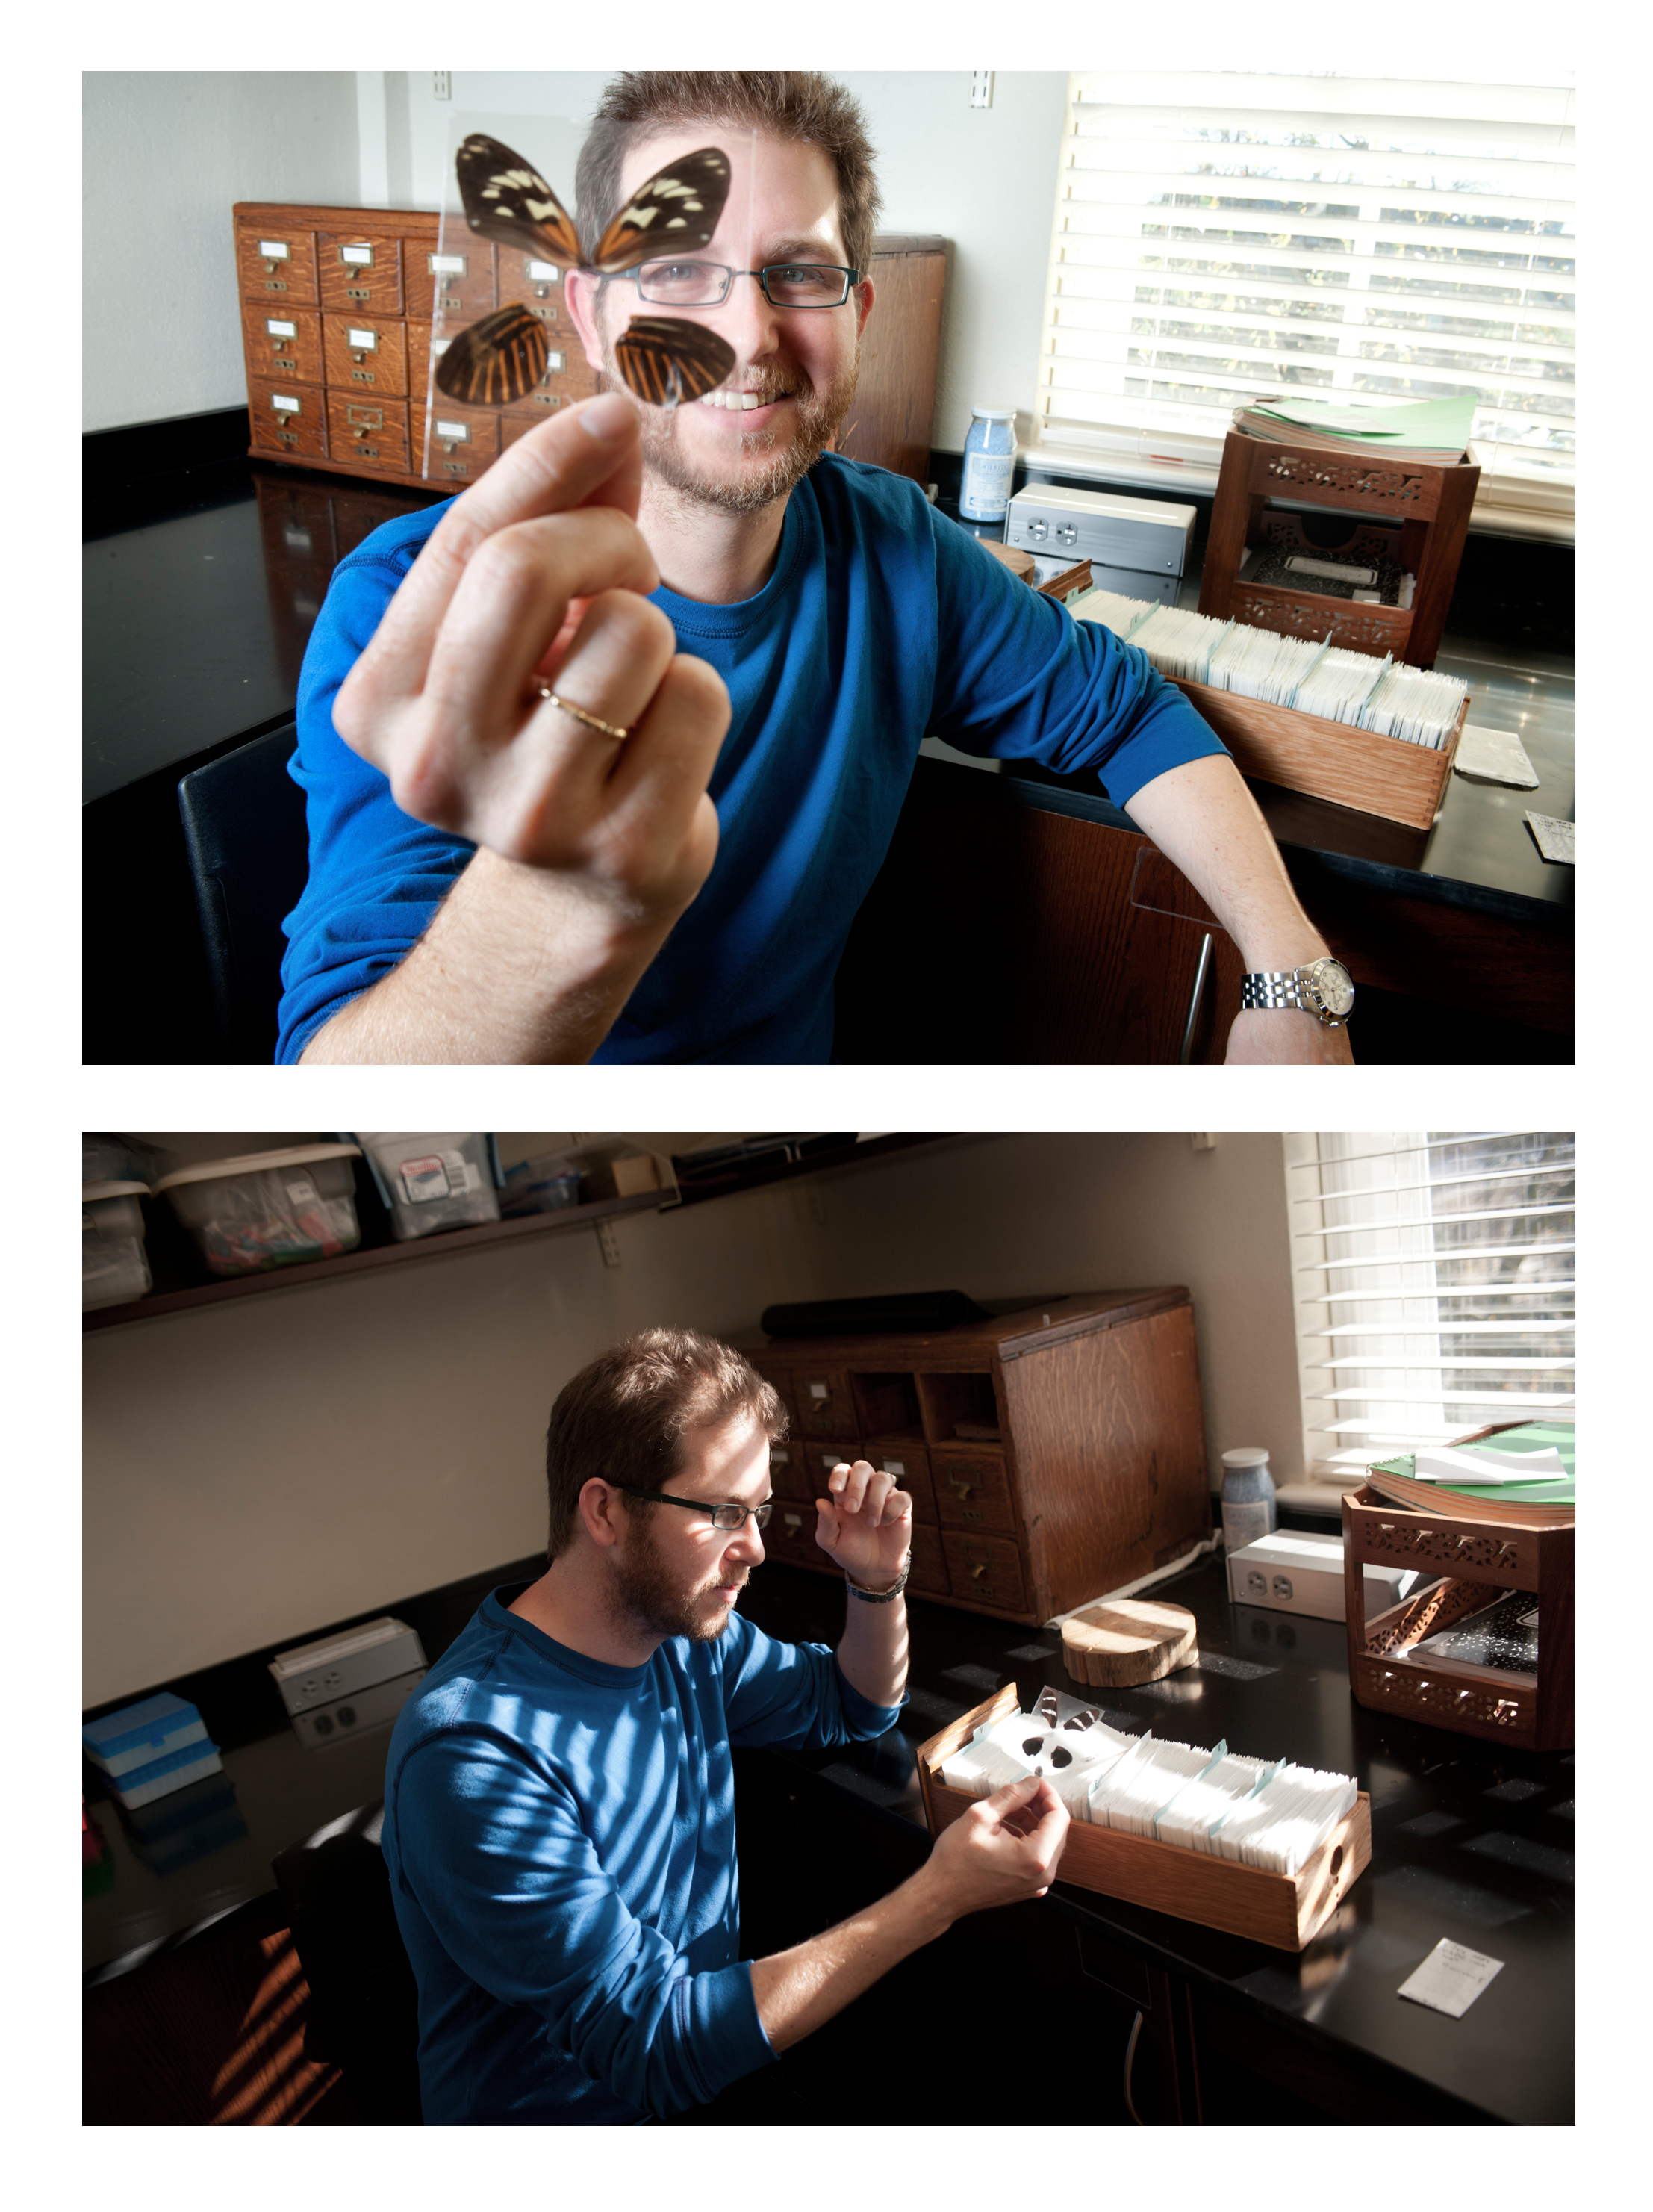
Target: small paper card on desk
{"x": 1553, "y": 838}
{"x": 1493, "y": 757}
{"x": 1450, "y": 1979}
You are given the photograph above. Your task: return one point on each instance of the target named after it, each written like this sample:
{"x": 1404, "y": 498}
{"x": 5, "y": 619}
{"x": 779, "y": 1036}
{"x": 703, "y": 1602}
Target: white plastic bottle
{"x": 1250, "y": 1509}
{"x": 989, "y": 464}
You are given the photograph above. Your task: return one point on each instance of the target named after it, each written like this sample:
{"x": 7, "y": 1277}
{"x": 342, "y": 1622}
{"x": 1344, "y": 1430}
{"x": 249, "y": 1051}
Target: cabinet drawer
{"x": 277, "y": 264}
{"x": 789, "y": 1476}
{"x": 823, "y": 1398}
{"x": 910, "y": 1465}
{"x": 790, "y": 1536}
{"x": 464, "y": 441}
{"x": 365, "y": 353}
{"x": 459, "y": 280}
{"x": 359, "y": 275}
{"x": 987, "y": 1569}
{"x": 538, "y": 286}
{"x": 289, "y": 418}
{"x": 282, "y": 344}
{"x": 568, "y": 376}
{"x": 928, "y": 1576}
{"x": 972, "y": 1491}
{"x": 373, "y": 432}
{"x": 820, "y": 1459}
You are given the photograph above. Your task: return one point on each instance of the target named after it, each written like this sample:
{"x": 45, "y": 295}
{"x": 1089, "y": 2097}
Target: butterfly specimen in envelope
{"x": 662, "y": 358}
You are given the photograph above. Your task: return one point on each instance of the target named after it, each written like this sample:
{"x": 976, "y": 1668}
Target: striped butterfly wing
{"x": 664, "y": 360}
{"x": 506, "y": 199}
{"x": 495, "y": 362}
{"x": 676, "y": 212}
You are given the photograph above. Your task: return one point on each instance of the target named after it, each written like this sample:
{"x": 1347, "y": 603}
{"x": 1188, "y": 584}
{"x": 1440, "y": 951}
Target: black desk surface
{"x": 1470, "y": 1841}
{"x": 192, "y": 641}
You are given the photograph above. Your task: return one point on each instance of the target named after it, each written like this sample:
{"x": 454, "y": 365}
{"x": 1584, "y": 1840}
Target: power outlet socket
{"x": 981, "y": 88}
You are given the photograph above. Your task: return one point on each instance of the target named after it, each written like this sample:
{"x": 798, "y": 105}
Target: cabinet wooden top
{"x": 419, "y": 222}
{"x": 973, "y": 1344}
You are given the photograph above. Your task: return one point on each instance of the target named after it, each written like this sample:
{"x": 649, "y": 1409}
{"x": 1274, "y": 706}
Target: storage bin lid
{"x": 91, "y": 1190}
{"x": 248, "y": 1163}
{"x": 149, "y": 1722}
{"x": 138, "y": 1777}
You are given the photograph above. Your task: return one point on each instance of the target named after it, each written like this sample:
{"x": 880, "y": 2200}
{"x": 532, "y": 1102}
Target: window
{"x": 1434, "y": 1279}
{"x": 1219, "y": 237}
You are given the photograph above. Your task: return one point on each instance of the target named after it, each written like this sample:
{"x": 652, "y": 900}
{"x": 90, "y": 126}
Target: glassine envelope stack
{"x": 1416, "y": 704}
{"x": 1267, "y": 1814}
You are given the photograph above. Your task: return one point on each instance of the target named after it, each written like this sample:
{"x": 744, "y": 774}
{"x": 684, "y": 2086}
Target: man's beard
{"x": 819, "y": 417}
{"x": 644, "y": 1593}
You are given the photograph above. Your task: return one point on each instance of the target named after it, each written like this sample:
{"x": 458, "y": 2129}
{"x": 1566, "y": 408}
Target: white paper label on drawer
{"x": 817, "y": 1390}
{"x": 360, "y": 255}
{"x": 282, "y": 405}
{"x": 363, "y": 341}
{"x": 780, "y": 1454}
{"x": 555, "y": 364}
{"x": 451, "y": 430}
{"x": 439, "y": 346}
{"x": 545, "y": 272}
{"x": 895, "y": 1466}
{"x": 280, "y": 329}
{"x": 275, "y": 249}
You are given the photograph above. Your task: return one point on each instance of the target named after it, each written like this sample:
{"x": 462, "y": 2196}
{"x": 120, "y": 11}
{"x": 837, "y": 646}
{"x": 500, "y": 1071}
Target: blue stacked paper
{"x": 148, "y": 1750}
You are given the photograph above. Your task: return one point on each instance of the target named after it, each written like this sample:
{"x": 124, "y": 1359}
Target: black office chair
{"x": 364, "y": 2010}
{"x": 249, "y": 856}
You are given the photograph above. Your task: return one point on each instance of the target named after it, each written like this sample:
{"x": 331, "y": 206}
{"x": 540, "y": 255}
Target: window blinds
{"x": 1219, "y": 237}
{"x": 1434, "y": 1282}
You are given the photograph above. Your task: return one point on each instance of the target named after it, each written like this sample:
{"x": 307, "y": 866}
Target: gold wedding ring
{"x": 592, "y": 721}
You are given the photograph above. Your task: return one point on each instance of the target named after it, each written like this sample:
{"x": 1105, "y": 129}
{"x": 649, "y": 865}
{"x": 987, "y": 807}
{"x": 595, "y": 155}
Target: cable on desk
{"x": 1130, "y": 2054}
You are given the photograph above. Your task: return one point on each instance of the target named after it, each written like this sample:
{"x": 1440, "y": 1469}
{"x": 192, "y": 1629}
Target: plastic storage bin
{"x": 545, "y": 1184}
{"x": 114, "y": 1269}
{"x": 269, "y": 1209}
{"x": 432, "y": 1183}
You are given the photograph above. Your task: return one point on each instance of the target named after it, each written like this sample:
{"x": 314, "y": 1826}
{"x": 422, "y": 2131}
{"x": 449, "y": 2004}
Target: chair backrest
{"x": 364, "y": 2004}
{"x": 245, "y": 827}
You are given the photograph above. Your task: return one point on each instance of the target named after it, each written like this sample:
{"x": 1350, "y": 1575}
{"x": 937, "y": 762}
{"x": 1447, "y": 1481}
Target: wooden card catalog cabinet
{"x": 1051, "y": 1455}
{"x": 337, "y": 300}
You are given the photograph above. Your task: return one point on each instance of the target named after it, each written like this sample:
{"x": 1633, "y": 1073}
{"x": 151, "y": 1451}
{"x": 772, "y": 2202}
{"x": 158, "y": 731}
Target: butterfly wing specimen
{"x": 495, "y": 362}
{"x": 676, "y": 212}
{"x": 506, "y": 199}
{"x": 664, "y": 362}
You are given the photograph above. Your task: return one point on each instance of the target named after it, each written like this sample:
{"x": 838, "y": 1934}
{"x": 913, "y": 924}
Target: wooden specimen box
{"x": 1375, "y": 774}
{"x": 376, "y": 276}
{"x": 1477, "y": 1557}
{"x": 1282, "y": 1910}
{"x": 1051, "y": 1454}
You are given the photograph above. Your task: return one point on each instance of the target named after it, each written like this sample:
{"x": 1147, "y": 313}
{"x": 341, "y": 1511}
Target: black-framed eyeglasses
{"x": 705, "y": 283}
{"x": 727, "y": 1514}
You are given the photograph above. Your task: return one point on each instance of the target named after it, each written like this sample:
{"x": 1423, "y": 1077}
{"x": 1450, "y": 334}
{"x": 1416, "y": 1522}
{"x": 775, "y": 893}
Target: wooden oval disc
{"x": 1128, "y": 1640}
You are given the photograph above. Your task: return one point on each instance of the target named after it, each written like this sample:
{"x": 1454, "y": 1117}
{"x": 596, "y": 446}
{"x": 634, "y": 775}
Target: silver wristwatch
{"x": 1324, "y": 989}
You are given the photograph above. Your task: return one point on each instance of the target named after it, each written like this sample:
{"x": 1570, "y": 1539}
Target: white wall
{"x": 167, "y": 154}
{"x": 256, "y": 1469}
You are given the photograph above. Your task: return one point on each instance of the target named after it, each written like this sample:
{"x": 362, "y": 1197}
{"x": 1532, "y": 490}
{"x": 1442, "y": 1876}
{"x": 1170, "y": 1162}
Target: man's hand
{"x": 1282, "y": 1034}
{"x": 1005, "y": 1848}
{"x": 864, "y": 1523}
{"x": 538, "y": 575}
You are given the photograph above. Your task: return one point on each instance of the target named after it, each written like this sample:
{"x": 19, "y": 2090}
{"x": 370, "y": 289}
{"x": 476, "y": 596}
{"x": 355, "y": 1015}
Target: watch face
{"x": 1330, "y": 983}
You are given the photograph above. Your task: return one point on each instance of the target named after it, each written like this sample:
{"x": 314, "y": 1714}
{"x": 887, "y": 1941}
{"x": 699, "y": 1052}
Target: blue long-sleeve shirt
{"x": 560, "y": 1841}
{"x": 882, "y": 623}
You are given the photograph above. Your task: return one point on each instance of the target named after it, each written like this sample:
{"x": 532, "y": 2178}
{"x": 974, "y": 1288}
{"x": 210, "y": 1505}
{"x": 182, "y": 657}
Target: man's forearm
{"x": 1203, "y": 819}
{"x": 517, "y": 967}
{"x": 872, "y": 1652}
{"x": 798, "y": 1991}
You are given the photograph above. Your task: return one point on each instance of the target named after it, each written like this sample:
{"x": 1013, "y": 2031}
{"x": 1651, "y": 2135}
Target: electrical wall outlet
{"x": 441, "y": 84}
{"x": 981, "y": 88}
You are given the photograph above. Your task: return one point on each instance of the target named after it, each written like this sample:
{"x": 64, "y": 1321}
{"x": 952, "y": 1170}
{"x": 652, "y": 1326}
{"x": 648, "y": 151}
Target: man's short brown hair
{"x": 800, "y": 106}
{"x": 624, "y": 1417}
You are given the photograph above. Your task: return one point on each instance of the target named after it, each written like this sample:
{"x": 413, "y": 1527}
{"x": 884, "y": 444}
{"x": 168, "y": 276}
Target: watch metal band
{"x": 1293, "y": 989}
{"x": 882, "y": 1597}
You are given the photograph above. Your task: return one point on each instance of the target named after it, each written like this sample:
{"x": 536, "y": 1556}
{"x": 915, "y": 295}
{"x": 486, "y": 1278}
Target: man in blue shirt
{"x": 541, "y": 832}
{"x": 559, "y": 1797}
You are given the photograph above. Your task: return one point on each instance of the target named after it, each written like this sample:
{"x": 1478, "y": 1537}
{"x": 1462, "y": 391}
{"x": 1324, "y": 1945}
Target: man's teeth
{"x": 742, "y": 401}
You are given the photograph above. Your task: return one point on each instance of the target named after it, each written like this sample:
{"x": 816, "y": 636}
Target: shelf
{"x": 437, "y": 1247}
